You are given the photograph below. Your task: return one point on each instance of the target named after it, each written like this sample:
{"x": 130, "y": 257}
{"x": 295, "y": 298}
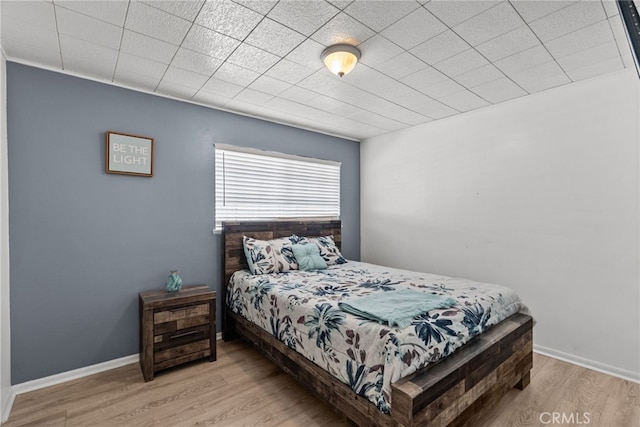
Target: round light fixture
{"x": 340, "y": 59}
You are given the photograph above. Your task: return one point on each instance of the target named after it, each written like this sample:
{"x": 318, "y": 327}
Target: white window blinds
{"x": 254, "y": 184}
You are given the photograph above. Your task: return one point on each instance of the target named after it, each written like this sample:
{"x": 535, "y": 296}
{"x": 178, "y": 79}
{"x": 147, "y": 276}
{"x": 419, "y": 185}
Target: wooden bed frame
{"x": 457, "y": 390}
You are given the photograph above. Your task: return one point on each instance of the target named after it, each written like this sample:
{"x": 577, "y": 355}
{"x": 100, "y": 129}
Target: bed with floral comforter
{"x": 301, "y": 310}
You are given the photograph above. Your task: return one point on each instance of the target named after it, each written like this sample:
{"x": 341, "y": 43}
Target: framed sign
{"x": 129, "y": 154}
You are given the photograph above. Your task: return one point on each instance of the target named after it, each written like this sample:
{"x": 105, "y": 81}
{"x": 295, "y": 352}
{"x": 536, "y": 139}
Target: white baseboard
{"x": 589, "y": 364}
{"x": 73, "y": 375}
{"x": 67, "y": 376}
{"x": 7, "y": 404}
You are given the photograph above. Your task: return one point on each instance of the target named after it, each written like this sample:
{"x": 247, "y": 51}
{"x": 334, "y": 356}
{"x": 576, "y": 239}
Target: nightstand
{"x": 176, "y": 327}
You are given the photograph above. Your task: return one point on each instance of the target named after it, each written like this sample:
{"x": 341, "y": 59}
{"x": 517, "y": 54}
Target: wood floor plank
{"x": 243, "y": 388}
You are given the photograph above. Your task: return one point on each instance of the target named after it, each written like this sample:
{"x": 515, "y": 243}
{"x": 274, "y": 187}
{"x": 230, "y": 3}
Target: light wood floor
{"x": 243, "y": 388}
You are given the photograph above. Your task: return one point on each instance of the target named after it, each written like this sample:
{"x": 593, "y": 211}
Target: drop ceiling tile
{"x": 377, "y": 50}
{"x": 48, "y": 56}
{"x": 235, "y": 74}
{"x": 262, "y": 112}
{"x": 184, "y": 9}
{"x": 40, "y": 32}
{"x": 194, "y": 61}
{"x": 209, "y": 42}
{"x": 32, "y": 14}
{"x": 40, "y": 38}
{"x": 589, "y": 57}
{"x": 413, "y": 99}
{"x": 294, "y": 108}
{"x": 377, "y": 83}
{"x": 113, "y": 12}
{"x": 261, "y": 6}
{"x": 298, "y": 94}
{"x": 569, "y": 19}
{"x": 326, "y": 84}
{"x": 220, "y": 87}
{"x": 464, "y": 101}
{"x": 281, "y": 111}
{"x": 211, "y": 99}
{"x": 331, "y": 105}
{"x": 274, "y": 37}
{"x": 621, "y": 40}
{"x": 253, "y": 97}
{"x": 424, "y": 77}
{"x": 135, "y": 80}
{"x": 440, "y": 47}
{"x": 391, "y": 111}
{"x": 308, "y": 54}
{"x": 461, "y": 63}
{"x": 596, "y": 69}
{"x": 499, "y": 90}
{"x": 135, "y": 64}
{"x": 489, "y": 24}
{"x": 441, "y": 89}
{"x": 345, "y": 92}
{"x": 580, "y": 40}
{"x": 415, "y": 28}
{"x": 342, "y": 29}
{"x": 507, "y": 44}
{"x": 288, "y": 71}
{"x": 454, "y": 13}
{"x": 98, "y": 70}
{"x": 610, "y": 8}
{"x": 81, "y": 57}
{"x": 435, "y": 109}
{"x": 86, "y": 28}
{"x": 153, "y": 22}
{"x": 184, "y": 77}
{"x": 536, "y": 9}
{"x": 228, "y": 18}
{"x": 376, "y": 120}
{"x": 401, "y": 66}
{"x": 269, "y": 85}
{"x": 379, "y": 15}
{"x": 340, "y": 4}
{"x": 147, "y": 47}
{"x": 253, "y": 58}
{"x": 303, "y": 16}
{"x": 542, "y": 77}
{"x": 526, "y": 59}
{"x": 479, "y": 76}
{"x": 176, "y": 90}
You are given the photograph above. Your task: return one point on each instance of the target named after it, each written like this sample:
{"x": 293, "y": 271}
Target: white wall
{"x": 5, "y": 332}
{"x": 540, "y": 194}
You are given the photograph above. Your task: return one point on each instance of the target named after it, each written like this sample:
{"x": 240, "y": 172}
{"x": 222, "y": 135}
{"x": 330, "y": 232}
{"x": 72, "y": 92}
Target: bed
{"x": 452, "y": 390}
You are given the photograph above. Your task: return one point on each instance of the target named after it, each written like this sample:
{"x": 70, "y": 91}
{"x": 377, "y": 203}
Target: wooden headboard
{"x": 233, "y": 258}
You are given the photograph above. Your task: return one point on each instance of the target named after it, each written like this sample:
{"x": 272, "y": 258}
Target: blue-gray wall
{"x": 84, "y": 243}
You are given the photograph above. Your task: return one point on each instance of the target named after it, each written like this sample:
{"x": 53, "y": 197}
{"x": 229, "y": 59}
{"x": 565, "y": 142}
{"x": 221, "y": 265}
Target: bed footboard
{"x": 456, "y": 391}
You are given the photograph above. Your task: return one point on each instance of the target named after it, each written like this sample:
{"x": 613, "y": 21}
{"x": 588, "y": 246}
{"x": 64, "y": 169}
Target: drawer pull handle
{"x": 183, "y": 335}
{"x": 173, "y": 310}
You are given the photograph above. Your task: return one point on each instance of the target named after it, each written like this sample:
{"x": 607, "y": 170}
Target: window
{"x": 255, "y": 184}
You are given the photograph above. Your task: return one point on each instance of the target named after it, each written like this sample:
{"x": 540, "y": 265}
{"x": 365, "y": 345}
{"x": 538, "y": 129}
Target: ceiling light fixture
{"x": 340, "y": 59}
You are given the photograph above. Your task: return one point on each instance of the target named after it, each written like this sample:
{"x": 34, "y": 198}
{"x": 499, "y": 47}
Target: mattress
{"x": 300, "y": 308}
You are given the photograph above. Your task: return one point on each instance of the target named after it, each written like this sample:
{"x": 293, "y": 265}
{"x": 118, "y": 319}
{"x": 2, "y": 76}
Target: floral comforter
{"x": 301, "y": 309}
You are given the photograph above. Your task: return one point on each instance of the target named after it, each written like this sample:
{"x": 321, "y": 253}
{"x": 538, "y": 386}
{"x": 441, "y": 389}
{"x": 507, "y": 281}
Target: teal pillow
{"x": 308, "y": 257}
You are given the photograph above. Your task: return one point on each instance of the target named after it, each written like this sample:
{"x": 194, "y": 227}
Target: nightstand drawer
{"x": 180, "y": 314}
{"x": 183, "y": 350}
{"x": 180, "y": 337}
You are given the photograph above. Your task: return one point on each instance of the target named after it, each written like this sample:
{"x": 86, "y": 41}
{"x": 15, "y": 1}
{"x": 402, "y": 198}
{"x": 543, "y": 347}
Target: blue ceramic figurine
{"x": 174, "y": 282}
